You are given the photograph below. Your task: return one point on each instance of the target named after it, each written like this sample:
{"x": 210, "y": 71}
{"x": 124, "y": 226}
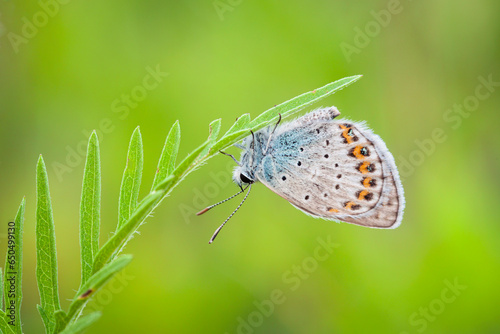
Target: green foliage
{"x": 166, "y": 164}
{"x": 12, "y": 291}
{"x": 46, "y": 260}
{"x": 131, "y": 181}
{"x": 90, "y": 208}
{"x": 5, "y": 327}
{"x": 99, "y": 265}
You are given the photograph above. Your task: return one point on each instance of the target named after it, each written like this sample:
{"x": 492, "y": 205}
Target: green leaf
{"x": 294, "y": 105}
{"x": 94, "y": 283}
{"x": 166, "y": 164}
{"x": 240, "y": 124}
{"x": 83, "y": 323}
{"x": 5, "y": 327}
{"x": 131, "y": 181}
{"x": 46, "y": 269}
{"x": 90, "y": 206}
{"x": 116, "y": 242}
{"x": 13, "y": 293}
{"x": 214, "y": 129}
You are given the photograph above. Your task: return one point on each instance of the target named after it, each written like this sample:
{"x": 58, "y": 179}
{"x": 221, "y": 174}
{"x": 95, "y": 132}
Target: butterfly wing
{"x": 334, "y": 169}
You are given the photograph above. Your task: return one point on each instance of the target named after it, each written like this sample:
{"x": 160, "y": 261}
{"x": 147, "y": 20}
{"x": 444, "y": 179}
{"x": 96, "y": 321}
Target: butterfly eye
{"x": 245, "y": 179}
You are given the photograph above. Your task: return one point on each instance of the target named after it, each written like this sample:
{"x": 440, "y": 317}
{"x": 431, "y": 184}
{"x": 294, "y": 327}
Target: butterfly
{"x": 329, "y": 168}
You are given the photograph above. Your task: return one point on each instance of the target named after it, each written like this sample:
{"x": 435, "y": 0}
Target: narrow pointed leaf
{"x": 90, "y": 206}
{"x": 166, "y": 164}
{"x": 297, "y": 103}
{"x": 240, "y": 124}
{"x": 214, "y": 129}
{"x": 82, "y": 324}
{"x": 5, "y": 327}
{"x": 94, "y": 283}
{"x": 46, "y": 260}
{"x": 14, "y": 269}
{"x": 122, "y": 235}
{"x": 131, "y": 181}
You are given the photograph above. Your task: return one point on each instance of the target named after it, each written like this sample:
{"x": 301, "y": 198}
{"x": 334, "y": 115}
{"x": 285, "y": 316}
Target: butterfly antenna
{"x": 225, "y": 221}
{"x": 214, "y": 205}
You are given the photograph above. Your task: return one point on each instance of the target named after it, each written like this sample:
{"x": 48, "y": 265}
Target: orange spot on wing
{"x": 333, "y": 210}
{"x": 357, "y": 152}
{"x": 364, "y": 167}
{"x": 366, "y": 182}
{"x": 349, "y": 205}
{"x": 362, "y": 194}
{"x": 345, "y": 133}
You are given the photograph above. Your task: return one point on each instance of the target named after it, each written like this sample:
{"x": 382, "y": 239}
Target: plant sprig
{"x": 100, "y": 264}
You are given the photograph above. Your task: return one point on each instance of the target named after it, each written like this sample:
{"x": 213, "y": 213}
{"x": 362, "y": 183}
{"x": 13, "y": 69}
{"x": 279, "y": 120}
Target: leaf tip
{"x": 176, "y": 127}
{"x": 126, "y": 258}
{"x": 93, "y": 135}
{"x": 40, "y": 163}
{"x": 137, "y": 132}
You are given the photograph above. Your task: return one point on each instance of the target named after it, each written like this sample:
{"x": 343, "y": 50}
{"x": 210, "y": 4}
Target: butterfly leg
{"x": 252, "y": 146}
{"x": 232, "y": 157}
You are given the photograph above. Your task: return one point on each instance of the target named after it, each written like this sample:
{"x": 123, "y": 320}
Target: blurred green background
{"x": 425, "y": 90}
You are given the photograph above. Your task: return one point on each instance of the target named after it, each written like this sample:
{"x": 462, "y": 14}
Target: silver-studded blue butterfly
{"x": 329, "y": 168}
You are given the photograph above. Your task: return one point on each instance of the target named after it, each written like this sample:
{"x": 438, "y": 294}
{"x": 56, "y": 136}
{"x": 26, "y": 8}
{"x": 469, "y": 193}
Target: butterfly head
{"x": 242, "y": 176}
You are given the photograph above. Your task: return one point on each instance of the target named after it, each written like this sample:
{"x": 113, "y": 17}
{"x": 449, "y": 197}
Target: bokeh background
{"x": 425, "y": 90}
